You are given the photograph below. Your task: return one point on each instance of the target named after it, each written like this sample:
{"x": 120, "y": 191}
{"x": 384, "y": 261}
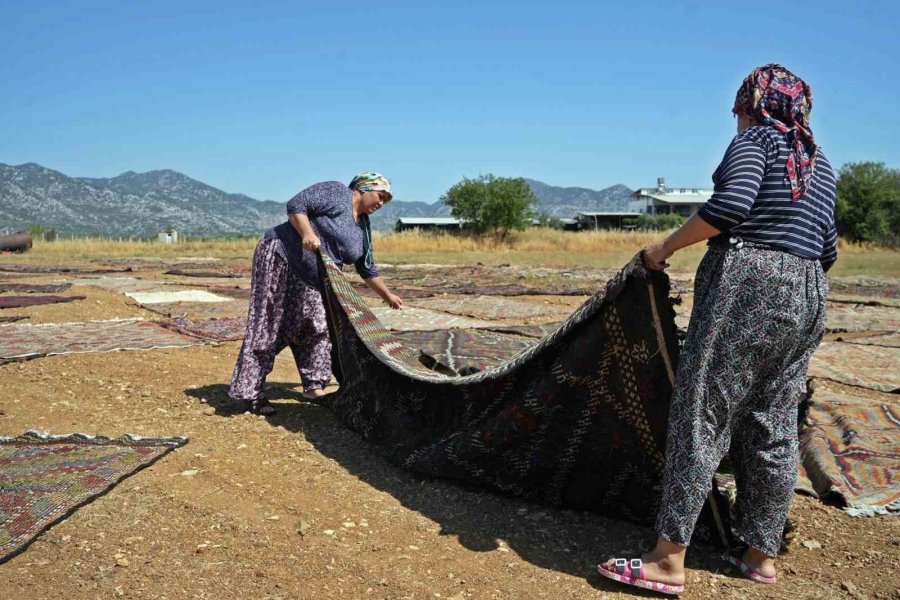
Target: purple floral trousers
{"x": 284, "y": 311}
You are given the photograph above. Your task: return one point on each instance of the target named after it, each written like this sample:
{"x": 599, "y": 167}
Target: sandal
{"x": 736, "y": 558}
{"x": 631, "y": 572}
{"x": 260, "y": 407}
{"x": 314, "y": 394}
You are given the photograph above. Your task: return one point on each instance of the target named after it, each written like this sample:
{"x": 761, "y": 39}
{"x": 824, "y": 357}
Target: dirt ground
{"x": 297, "y": 506}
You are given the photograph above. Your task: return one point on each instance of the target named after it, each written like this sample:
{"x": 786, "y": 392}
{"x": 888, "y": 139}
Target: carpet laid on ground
{"x": 44, "y": 478}
{"x": 216, "y": 330}
{"x": 411, "y": 318}
{"x": 204, "y": 274}
{"x": 23, "y": 341}
{"x": 12, "y": 319}
{"x": 490, "y": 308}
{"x": 35, "y": 288}
{"x": 535, "y": 331}
{"x": 515, "y": 289}
{"x": 25, "y": 301}
{"x": 13, "y": 268}
{"x": 843, "y": 318}
{"x": 200, "y": 310}
{"x": 466, "y": 350}
{"x": 119, "y": 284}
{"x": 176, "y": 296}
{"x": 850, "y": 450}
{"x": 577, "y": 420}
{"x": 891, "y": 340}
{"x": 870, "y": 366}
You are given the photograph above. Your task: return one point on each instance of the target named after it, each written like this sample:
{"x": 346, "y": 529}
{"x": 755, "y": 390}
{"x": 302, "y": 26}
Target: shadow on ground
{"x": 552, "y": 538}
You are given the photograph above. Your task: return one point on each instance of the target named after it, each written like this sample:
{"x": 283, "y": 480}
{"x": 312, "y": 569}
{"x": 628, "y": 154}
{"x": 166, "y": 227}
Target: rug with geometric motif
{"x": 216, "y": 330}
{"x": 45, "y": 478}
{"x": 24, "y": 342}
{"x": 578, "y": 419}
{"x": 466, "y": 351}
{"x": 850, "y": 450}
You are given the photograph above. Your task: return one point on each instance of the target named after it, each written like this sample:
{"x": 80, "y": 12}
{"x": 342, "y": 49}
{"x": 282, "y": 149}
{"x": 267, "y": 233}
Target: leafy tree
{"x": 868, "y": 203}
{"x": 48, "y": 234}
{"x": 492, "y": 204}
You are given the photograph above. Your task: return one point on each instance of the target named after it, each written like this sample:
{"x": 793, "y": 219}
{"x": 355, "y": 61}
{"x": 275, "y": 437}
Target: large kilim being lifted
{"x": 44, "y": 478}
{"x": 577, "y": 420}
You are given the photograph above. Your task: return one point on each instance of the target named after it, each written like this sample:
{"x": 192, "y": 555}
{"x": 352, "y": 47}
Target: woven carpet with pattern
{"x": 850, "y": 450}
{"x": 578, "y": 419}
{"x": 44, "y": 478}
{"x": 217, "y": 330}
{"x": 22, "y": 341}
{"x": 466, "y": 350}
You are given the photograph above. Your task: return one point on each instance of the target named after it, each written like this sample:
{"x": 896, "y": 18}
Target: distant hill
{"x": 132, "y": 204}
{"x": 142, "y": 204}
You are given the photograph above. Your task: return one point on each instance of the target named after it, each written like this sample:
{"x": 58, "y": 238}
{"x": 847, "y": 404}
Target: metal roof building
{"x": 405, "y": 223}
{"x": 662, "y": 200}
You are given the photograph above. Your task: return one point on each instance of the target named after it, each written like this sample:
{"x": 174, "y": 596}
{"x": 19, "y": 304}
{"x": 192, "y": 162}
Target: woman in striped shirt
{"x": 759, "y": 313}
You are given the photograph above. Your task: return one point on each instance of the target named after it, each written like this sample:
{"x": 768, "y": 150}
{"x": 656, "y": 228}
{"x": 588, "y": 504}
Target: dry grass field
{"x": 533, "y": 247}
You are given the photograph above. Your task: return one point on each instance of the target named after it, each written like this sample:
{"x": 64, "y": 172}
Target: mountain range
{"x": 142, "y": 204}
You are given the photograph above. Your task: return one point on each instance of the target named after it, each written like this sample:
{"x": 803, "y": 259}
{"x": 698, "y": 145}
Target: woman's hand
{"x": 311, "y": 242}
{"x": 394, "y": 301}
{"x": 655, "y": 256}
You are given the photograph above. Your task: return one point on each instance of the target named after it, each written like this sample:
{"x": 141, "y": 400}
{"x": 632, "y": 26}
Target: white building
{"x": 168, "y": 237}
{"x": 662, "y": 200}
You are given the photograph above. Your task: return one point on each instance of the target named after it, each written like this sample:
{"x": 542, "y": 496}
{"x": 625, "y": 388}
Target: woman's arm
{"x": 377, "y": 285}
{"x": 695, "y": 230}
{"x": 301, "y": 223}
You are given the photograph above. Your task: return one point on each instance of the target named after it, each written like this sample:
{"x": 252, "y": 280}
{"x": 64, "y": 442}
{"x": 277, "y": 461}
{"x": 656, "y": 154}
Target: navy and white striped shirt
{"x": 752, "y": 198}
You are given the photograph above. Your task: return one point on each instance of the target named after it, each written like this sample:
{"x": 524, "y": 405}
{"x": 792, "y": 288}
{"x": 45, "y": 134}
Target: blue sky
{"x": 265, "y": 98}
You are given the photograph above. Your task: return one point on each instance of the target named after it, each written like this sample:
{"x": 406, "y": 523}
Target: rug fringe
{"x": 35, "y": 435}
{"x": 873, "y": 511}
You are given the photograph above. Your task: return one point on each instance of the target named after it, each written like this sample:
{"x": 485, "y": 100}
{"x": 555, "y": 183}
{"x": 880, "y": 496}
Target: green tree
{"x": 48, "y": 234}
{"x": 492, "y": 204}
{"x": 868, "y": 203}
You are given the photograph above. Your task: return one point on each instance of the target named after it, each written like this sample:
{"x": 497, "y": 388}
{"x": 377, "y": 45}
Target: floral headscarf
{"x": 774, "y": 96}
{"x": 369, "y": 182}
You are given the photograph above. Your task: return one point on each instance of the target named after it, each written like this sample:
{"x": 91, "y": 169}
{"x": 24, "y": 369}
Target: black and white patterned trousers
{"x": 758, "y": 316}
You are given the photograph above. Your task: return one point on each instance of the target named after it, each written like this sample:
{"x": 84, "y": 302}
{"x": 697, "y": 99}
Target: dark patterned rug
{"x": 465, "y": 351}
{"x": 12, "y": 319}
{"x": 577, "y": 420}
{"x": 35, "y": 288}
{"x": 45, "y": 478}
{"x": 534, "y": 331}
{"x": 23, "y": 301}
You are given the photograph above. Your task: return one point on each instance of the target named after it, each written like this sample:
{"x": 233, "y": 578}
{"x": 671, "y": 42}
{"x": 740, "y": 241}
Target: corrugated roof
{"x": 428, "y": 221}
{"x": 682, "y": 198}
{"x": 609, "y": 214}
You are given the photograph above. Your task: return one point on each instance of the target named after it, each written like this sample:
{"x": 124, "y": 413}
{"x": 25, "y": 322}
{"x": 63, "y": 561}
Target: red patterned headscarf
{"x": 774, "y": 96}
